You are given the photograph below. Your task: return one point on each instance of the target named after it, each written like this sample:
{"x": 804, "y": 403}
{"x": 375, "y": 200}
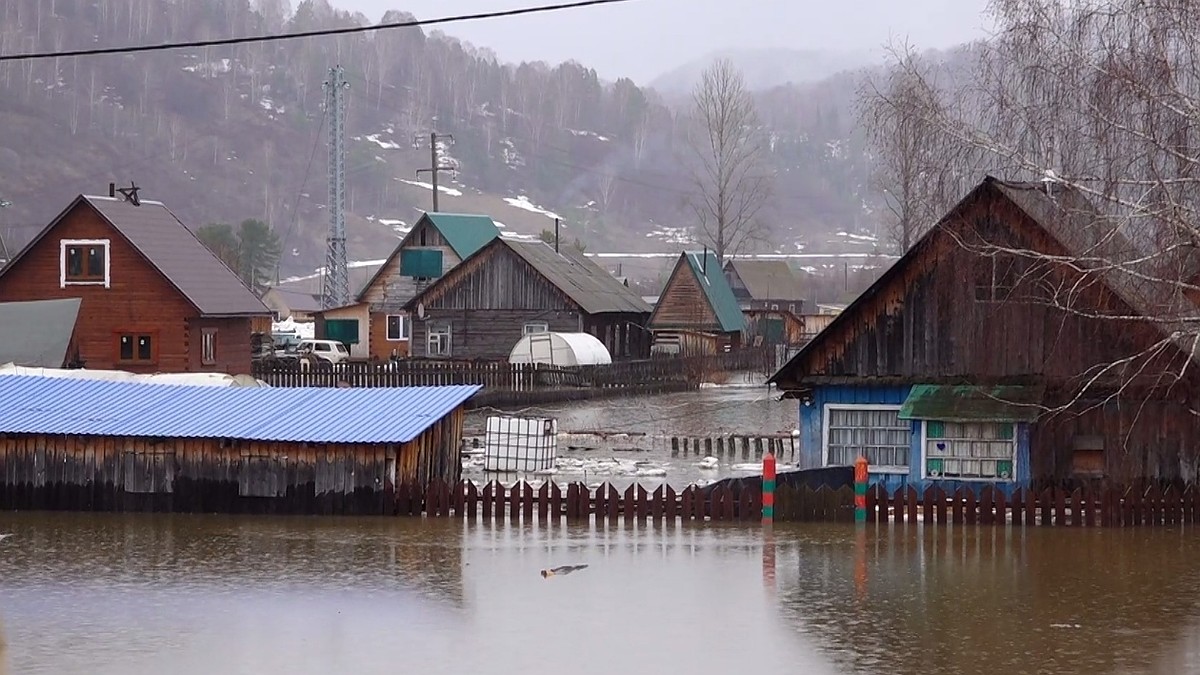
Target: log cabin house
{"x": 153, "y": 298}
{"x": 94, "y": 445}
{"x": 697, "y": 312}
{"x": 435, "y": 245}
{"x": 484, "y": 306}
{"x": 1017, "y": 343}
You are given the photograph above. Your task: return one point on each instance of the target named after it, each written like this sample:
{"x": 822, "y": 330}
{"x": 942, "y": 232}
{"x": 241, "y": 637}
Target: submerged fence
{"x": 729, "y": 502}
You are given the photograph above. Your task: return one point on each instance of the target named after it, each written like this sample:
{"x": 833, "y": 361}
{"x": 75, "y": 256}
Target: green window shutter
{"x": 1006, "y": 431}
{"x": 342, "y": 330}
{"x": 935, "y": 429}
{"x": 421, "y": 262}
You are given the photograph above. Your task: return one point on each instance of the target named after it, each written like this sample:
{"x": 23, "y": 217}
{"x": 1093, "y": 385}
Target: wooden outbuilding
{"x": 153, "y": 297}
{"x": 95, "y": 445}
{"x": 697, "y": 311}
{"x": 1023, "y": 341}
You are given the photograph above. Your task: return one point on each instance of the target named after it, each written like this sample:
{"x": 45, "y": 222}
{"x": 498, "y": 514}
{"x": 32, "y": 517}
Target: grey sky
{"x": 643, "y": 38}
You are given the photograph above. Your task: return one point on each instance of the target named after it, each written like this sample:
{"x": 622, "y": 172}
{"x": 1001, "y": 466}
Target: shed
{"x": 560, "y": 349}
{"x": 93, "y": 445}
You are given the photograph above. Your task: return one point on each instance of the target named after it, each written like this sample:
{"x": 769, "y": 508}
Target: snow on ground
{"x": 509, "y": 234}
{"x": 398, "y": 226}
{"x": 386, "y": 145}
{"x": 576, "y": 132}
{"x": 854, "y": 238}
{"x": 429, "y": 186}
{"x": 672, "y": 235}
{"x": 321, "y": 270}
{"x": 522, "y": 202}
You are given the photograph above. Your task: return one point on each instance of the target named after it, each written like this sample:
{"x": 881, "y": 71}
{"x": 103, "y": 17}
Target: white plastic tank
{"x": 560, "y": 349}
{"x": 520, "y": 444}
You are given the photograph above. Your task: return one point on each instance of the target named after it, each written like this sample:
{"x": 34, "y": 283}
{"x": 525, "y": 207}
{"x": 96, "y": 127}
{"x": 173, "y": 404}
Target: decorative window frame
{"x": 64, "y": 244}
{"x": 438, "y": 329}
{"x": 968, "y": 479}
{"x": 874, "y": 468}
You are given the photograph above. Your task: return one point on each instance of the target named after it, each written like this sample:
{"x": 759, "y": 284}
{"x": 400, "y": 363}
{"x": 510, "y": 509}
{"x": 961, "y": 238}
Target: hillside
{"x": 766, "y": 68}
{"x": 224, "y": 134}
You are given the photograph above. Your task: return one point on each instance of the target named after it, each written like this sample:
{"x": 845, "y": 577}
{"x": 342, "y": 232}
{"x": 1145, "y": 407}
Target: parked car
{"x": 329, "y": 351}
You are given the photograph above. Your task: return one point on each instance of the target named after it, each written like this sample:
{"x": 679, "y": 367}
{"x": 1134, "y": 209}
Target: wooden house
{"x": 436, "y": 244}
{"x": 39, "y": 333}
{"x": 153, "y": 298}
{"x": 765, "y": 285}
{"x": 1017, "y": 343}
{"x": 773, "y": 327}
{"x": 484, "y": 306}
{"x": 96, "y": 445}
{"x": 284, "y": 303}
{"x": 697, "y": 311}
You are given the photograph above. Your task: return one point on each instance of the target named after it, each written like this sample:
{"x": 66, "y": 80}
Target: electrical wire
{"x": 306, "y": 34}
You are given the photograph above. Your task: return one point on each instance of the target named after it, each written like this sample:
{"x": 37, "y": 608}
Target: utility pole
{"x": 435, "y": 164}
{"x": 335, "y": 288}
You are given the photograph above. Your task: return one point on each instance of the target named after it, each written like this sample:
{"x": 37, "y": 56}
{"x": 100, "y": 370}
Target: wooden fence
{"x": 1053, "y": 506}
{"x": 783, "y": 446}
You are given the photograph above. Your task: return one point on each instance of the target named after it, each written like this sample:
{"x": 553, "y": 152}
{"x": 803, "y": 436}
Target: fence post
{"x": 768, "y": 489}
{"x": 860, "y": 490}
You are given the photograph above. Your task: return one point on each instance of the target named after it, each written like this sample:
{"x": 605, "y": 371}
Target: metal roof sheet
{"x": 466, "y": 233}
{"x": 716, "y": 288}
{"x": 37, "y": 405}
{"x": 586, "y": 283}
{"x": 767, "y": 279}
{"x": 37, "y": 333}
{"x": 965, "y": 403}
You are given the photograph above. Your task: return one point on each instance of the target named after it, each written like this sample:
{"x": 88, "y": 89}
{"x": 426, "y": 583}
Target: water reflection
{"x": 3, "y": 652}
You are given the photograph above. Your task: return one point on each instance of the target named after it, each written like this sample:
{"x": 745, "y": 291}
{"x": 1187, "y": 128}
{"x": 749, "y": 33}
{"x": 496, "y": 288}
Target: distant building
{"x": 153, "y": 297}
{"x": 481, "y": 308}
{"x": 697, "y": 311}
{"x": 299, "y": 305}
{"x": 765, "y": 284}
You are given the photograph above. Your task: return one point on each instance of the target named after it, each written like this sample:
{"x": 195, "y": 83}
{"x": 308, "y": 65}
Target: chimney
{"x": 556, "y": 235}
{"x": 112, "y": 189}
{"x": 704, "y": 262}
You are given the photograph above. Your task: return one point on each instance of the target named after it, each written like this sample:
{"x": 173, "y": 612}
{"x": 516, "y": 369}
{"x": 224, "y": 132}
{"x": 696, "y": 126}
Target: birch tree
{"x": 729, "y": 174}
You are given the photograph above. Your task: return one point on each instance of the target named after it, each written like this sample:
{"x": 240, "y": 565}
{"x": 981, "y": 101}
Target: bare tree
{"x": 729, "y": 172}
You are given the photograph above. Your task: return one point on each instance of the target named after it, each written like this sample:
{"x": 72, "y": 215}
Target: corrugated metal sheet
{"x": 34, "y": 405}
{"x": 716, "y": 288}
{"x": 585, "y": 282}
{"x": 973, "y": 404}
{"x": 37, "y": 333}
{"x": 466, "y": 233}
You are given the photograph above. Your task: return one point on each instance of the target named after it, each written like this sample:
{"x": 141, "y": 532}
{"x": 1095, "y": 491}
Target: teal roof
{"x": 716, "y": 289}
{"x": 466, "y": 233}
{"x": 968, "y": 403}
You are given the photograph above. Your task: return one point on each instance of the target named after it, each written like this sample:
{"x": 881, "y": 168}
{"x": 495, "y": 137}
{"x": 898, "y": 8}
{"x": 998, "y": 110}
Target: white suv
{"x": 331, "y": 351}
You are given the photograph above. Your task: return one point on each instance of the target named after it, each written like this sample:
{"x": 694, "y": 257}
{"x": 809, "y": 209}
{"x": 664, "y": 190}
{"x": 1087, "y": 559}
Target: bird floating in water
{"x": 564, "y": 569}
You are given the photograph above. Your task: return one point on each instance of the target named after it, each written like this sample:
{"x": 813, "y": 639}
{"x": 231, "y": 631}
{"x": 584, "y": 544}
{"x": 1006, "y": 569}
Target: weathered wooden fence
{"x": 1114, "y": 507}
{"x": 782, "y": 445}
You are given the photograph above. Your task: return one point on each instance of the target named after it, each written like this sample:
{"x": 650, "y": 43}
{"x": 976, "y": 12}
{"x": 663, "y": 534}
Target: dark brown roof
{"x": 767, "y": 279}
{"x": 585, "y": 282}
{"x": 169, "y": 246}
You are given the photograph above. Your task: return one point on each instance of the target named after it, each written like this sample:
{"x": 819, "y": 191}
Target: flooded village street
{"x": 140, "y": 593}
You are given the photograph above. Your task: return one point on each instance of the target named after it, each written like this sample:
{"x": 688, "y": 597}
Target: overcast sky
{"x": 641, "y": 39}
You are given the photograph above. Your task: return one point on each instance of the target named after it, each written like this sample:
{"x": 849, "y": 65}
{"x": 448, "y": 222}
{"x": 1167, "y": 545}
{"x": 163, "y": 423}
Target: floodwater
{"x": 623, "y": 440}
{"x": 140, "y": 593}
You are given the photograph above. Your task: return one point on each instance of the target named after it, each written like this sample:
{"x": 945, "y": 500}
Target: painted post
{"x": 860, "y": 490}
{"x": 768, "y": 489}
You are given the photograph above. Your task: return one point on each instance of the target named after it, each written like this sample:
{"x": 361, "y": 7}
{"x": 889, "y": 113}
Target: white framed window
{"x": 969, "y": 450}
{"x": 854, "y": 430}
{"x": 84, "y": 262}
{"x": 438, "y": 340}
{"x": 536, "y": 327}
{"x": 208, "y": 346}
{"x": 397, "y": 328}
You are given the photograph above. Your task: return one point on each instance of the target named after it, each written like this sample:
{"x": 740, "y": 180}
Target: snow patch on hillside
{"x": 429, "y": 186}
{"x": 522, "y": 202}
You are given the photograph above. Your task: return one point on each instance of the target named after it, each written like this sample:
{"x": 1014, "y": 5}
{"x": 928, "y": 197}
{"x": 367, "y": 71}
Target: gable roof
{"x": 708, "y": 273}
{"x": 465, "y": 233}
{"x": 1074, "y": 222}
{"x": 37, "y": 333}
{"x": 583, "y": 282}
{"x": 297, "y": 301}
{"x": 767, "y": 279}
{"x": 172, "y": 249}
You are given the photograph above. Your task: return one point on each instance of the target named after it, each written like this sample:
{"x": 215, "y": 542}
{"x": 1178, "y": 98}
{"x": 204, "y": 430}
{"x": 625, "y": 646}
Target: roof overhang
{"x": 973, "y": 403}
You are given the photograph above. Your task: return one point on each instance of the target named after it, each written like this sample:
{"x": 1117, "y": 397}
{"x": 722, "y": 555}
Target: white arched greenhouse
{"x": 560, "y": 349}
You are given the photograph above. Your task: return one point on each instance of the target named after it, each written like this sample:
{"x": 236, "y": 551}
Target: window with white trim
{"x": 84, "y": 262}
{"x": 438, "y": 340}
{"x": 397, "y": 327}
{"x": 872, "y": 431}
{"x": 536, "y": 327}
{"x": 970, "y": 450}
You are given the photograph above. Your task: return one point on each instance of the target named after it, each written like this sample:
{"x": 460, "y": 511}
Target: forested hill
{"x": 226, "y": 134}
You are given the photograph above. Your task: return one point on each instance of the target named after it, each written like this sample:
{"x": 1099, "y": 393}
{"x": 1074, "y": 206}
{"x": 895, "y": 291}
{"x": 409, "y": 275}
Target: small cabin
{"x": 697, "y": 311}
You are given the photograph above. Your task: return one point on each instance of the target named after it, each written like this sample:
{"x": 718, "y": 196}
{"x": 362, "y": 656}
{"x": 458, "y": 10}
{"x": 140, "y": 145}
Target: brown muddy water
{"x": 137, "y": 593}
{"x": 624, "y": 440}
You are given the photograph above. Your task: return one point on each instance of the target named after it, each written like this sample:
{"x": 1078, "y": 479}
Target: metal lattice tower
{"x": 335, "y": 291}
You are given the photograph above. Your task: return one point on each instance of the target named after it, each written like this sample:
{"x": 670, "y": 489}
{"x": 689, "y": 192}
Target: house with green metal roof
{"x": 697, "y": 310}
{"x": 376, "y": 326}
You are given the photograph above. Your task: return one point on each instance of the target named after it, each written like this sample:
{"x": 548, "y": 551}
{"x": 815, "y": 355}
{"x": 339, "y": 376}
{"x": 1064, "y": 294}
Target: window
{"x": 84, "y": 262}
{"x": 397, "y": 327}
{"x": 439, "y": 341}
{"x": 208, "y": 346}
{"x": 970, "y": 450}
{"x": 135, "y": 347}
{"x": 537, "y": 327}
{"x": 995, "y": 279}
{"x": 872, "y": 431}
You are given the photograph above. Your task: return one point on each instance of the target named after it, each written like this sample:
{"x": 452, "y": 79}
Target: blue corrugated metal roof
{"x": 39, "y": 405}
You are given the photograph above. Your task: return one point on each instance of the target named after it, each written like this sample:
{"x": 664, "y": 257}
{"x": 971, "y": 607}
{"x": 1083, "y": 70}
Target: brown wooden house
{"x": 482, "y": 308}
{"x": 697, "y": 311}
{"x": 435, "y": 245}
{"x": 1020, "y": 342}
{"x": 153, "y": 298}
{"x": 764, "y": 284}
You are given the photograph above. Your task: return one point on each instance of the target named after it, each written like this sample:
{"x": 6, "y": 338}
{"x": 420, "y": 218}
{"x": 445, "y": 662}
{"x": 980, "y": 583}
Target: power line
{"x": 306, "y": 34}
